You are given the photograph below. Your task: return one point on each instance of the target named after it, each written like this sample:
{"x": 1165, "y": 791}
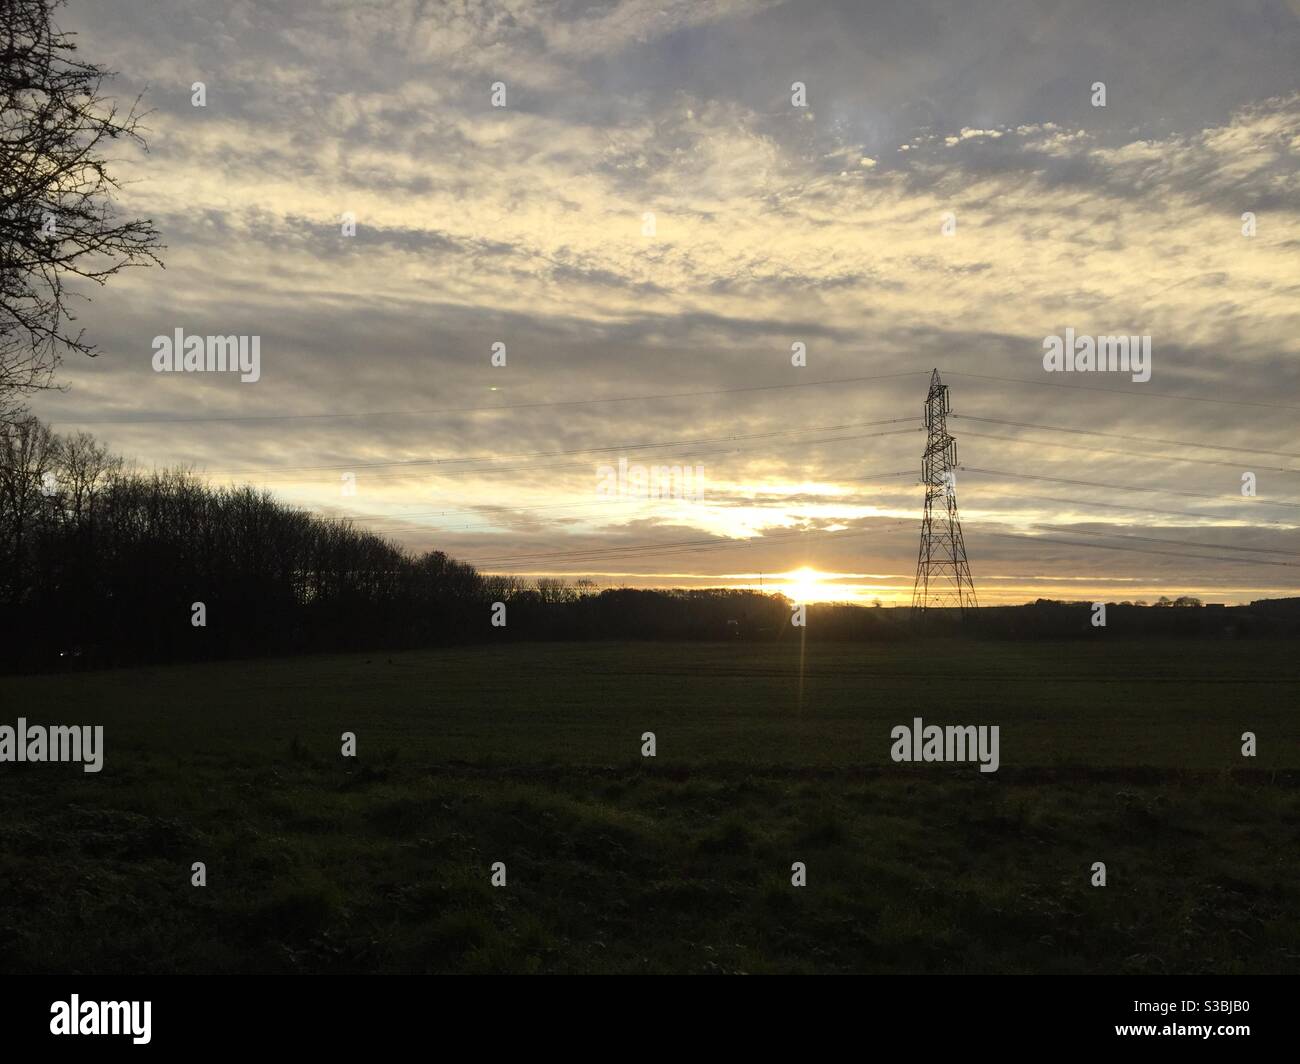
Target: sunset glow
{"x": 682, "y": 277}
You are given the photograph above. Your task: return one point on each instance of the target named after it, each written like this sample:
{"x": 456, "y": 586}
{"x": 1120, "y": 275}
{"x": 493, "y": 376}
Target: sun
{"x": 804, "y": 585}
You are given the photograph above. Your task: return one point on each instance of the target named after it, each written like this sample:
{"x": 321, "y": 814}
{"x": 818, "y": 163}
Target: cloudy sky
{"x": 650, "y": 223}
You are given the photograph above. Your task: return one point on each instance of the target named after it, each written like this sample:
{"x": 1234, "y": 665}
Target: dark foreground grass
{"x": 1127, "y": 753}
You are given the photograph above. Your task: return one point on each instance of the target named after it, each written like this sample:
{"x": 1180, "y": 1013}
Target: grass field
{"x": 1123, "y": 752}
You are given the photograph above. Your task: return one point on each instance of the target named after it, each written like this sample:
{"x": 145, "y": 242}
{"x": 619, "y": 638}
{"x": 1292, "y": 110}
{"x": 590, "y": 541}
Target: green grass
{"x": 1122, "y": 752}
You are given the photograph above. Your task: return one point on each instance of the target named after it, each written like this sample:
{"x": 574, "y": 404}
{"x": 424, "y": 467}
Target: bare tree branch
{"x": 57, "y": 215}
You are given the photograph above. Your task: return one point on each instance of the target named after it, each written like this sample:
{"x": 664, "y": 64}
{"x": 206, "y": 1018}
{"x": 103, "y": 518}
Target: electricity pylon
{"x": 942, "y": 572}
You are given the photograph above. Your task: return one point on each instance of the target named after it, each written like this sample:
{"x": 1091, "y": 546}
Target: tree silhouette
{"x": 57, "y": 216}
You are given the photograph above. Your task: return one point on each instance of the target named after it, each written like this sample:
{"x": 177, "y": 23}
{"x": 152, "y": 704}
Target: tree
{"x": 29, "y": 452}
{"x": 58, "y": 221}
{"x": 87, "y": 466}
{"x": 103, "y": 564}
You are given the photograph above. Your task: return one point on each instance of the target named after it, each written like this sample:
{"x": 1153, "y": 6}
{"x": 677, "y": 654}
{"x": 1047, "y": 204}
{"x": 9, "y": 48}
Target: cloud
{"x": 528, "y": 225}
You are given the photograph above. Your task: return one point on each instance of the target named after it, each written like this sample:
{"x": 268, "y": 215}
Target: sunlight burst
{"x": 804, "y": 585}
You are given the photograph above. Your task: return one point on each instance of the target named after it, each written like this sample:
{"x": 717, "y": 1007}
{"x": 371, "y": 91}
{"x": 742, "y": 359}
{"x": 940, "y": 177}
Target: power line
{"x": 1141, "y": 550}
{"x": 1114, "y": 391}
{"x": 1121, "y": 487}
{"x": 482, "y": 470}
{"x": 560, "y": 453}
{"x": 1146, "y": 510}
{"x": 507, "y": 510}
{"x": 655, "y": 398}
{"x": 1172, "y": 542}
{"x": 1123, "y": 436}
{"x": 483, "y": 409}
{"x": 654, "y": 550}
{"x": 1126, "y": 454}
{"x": 486, "y": 511}
{"x": 401, "y": 524}
{"x": 481, "y": 511}
{"x": 678, "y": 547}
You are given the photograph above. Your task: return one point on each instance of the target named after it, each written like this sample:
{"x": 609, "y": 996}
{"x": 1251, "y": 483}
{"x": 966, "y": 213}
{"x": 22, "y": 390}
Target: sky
{"x": 630, "y": 198}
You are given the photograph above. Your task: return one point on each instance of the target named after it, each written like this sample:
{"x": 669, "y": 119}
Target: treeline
{"x": 546, "y": 612}
{"x": 1180, "y": 618}
{"x": 101, "y": 565}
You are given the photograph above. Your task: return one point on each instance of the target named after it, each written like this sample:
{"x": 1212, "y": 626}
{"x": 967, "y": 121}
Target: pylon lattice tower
{"x": 942, "y": 572}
